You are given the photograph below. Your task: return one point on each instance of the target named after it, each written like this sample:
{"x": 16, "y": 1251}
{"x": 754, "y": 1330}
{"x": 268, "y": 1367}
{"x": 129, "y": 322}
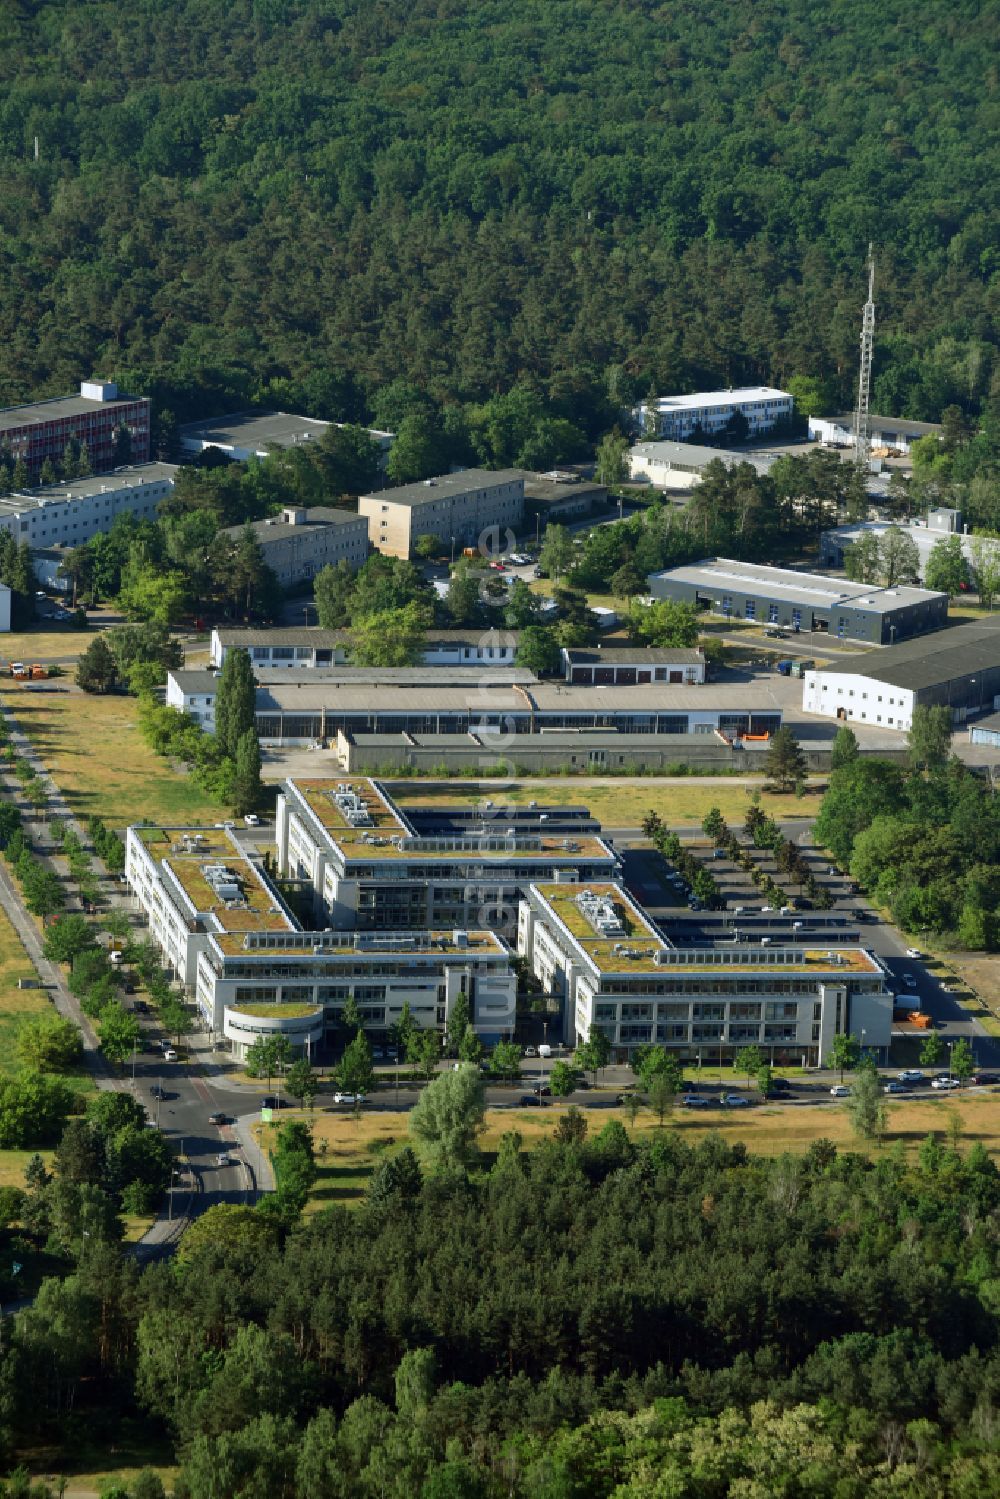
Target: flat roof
{"x": 279, "y": 695}
{"x": 132, "y": 477}
{"x": 312, "y": 636}
{"x": 316, "y": 519}
{"x": 695, "y": 456}
{"x": 446, "y": 486}
{"x": 55, "y": 408}
{"x": 894, "y": 424}
{"x": 260, "y": 430}
{"x": 186, "y": 852}
{"x": 650, "y": 655}
{"x": 641, "y": 949}
{"x": 947, "y": 655}
{"x": 390, "y": 836}
{"x": 554, "y": 491}
{"x": 568, "y": 739}
{"x": 813, "y": 589}
{"x": 316, "y": 677}
{"x": 478, "y": 943}
{"x": 742, "y": 395}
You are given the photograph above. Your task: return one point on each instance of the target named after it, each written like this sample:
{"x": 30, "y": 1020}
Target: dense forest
{"x": 296, "y": 201}
{"x": 595, "y": 1318}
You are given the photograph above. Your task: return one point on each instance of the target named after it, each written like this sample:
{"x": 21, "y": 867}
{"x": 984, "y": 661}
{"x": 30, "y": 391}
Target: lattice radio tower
{"x": 862, "y": 425}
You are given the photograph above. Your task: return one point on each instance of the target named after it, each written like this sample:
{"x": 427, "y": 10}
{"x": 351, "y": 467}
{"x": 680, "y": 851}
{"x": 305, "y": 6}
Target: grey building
{"x": 925, "y": 535}
{"x": 802, "y": 601}
{"x": 68, "y": 514}
{"x": 627, "y": 667}
{"x": 299, "y": 543}
{"x": 889, "y": 434}
{"x": 549, "y": 501}
{"x": 254, "y": 434}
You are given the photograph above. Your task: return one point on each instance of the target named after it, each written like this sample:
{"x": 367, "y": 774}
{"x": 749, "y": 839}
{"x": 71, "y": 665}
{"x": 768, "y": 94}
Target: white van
{"x": 545, "y": 1051}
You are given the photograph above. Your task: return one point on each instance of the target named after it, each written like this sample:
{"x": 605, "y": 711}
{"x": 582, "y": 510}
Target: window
{"x": 772, "y": 614}
{"x": 750, "y": 609}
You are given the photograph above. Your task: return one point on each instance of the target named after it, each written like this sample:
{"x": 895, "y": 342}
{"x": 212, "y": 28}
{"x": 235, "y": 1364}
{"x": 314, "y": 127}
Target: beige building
{"x": 459, "y": 508}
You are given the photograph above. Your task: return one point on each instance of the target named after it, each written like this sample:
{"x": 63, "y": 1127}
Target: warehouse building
{"x": 600, "y": 954}
{"x": 680, "y": 465}
{"x": 940, "y": 523}
{"x": 369, "y": 865}
{"x": 890, "y": 435}
{"x": 459, "y": 509}
{"x": 958, "y": 669}
{"x": 252, "y": 971}
{"x": 70, "y": 513}
{"x": 311, "y": 647}
{"x": 253, "y": 434}
{"x": 803, "y": 601}
{"x": 711, "y": 411}
{"x": 41, "y": 430}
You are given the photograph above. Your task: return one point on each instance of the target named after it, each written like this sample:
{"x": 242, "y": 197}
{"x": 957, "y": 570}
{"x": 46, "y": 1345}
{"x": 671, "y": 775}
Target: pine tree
{"x": 234, "y": 701}
{"x": 246, "y": 790}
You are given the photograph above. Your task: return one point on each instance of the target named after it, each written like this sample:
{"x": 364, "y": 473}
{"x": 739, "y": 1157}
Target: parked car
{"x": 696, "y": 1101}
{"x": 378, "y": 1053}
{"x": 914, "y": 952}
{"x": 911, "y": 1075}
{"x": 529, "y": 1101}
{"x": 840, "y": 1090}
{"x": 531, "y": 1051}
{"x": 169, "y": 1055}
{"x": 780, "y": 1085}
{"x": 157, "y": 1092}
{"x": 251, "y": 820}
{"x": 270, "y": 1101}
{"x": 735, "y": 1100}
{"x": 542, "y": 1090}
{"x": 945, "y": 1084}
{"x": 218, "y": 1119}
{"x": 984, "y": 1079}
{"x": 909, "y": 980}
{"x": 895, "y": 1086}
{"x": 349, "y": 1097}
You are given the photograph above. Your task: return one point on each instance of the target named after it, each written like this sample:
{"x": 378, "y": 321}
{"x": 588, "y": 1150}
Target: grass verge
{"x": 94, "y": 750}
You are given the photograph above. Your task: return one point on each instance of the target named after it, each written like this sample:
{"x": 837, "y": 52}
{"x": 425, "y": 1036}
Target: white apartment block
{"x": 68, "y": 514}
{"x": 596, "y": 951}
{"x": 369, "y": 869}
{"x": 675, "y": 418}
{"x": 480, "y": 508}
{"x": 251, "y": 970}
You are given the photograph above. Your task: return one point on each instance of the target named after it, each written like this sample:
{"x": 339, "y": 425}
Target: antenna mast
{"x": 862, "y": 426}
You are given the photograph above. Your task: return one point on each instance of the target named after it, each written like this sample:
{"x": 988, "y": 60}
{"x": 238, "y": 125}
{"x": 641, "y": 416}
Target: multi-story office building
{"x": 41, "y": 430}
{"x": 711, "y": 411}
{"x": 596, "y": 951}
{"x": 252, "y": 970}
{"x": 459, "y": 509}
{"x": 68, "y": 514}
{"x": 300, "y": 542}
{"x": 368, "y": 867}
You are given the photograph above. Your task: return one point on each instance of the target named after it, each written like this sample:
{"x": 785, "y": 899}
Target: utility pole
{"x": 862, "y": 425}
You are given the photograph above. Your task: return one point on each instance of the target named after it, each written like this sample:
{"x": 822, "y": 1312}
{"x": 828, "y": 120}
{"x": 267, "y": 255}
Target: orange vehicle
{"x": 37, "y": 671}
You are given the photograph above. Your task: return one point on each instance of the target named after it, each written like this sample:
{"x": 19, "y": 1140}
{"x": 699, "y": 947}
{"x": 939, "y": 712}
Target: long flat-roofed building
{"x": 253, "y": 434}
{"x": 625, "y": 666}
{"x": 369, "y": 867}
{"x": 315, "y": 647}
{"x": 460, "y": 507}
{"x": 958, "y": 668}
{"x": 599, "y": 953}
{"x": 253, "y": 971}
{"x": 711, "y": 411}
{"x": 802, "y": 601}
{"x": 70, "y": 513}
{"x": 680, "y": 465}
{"x": 889, "y": 434}
{"x": 301, "y": 541}
{"x": 40, "y": 430}
{"x": 317, "y": 706}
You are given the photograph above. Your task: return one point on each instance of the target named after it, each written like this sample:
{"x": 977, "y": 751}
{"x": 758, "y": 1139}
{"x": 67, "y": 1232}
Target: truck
{"x": 785, "y": 668}
{"x": 18, "y": 669}
{"x": 36, "y": 671}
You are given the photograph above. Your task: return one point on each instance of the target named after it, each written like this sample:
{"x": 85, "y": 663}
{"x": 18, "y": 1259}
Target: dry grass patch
{"x": 624, "y": 802}
{"x": 349, "y": 1145}
{"x": 95, "y": 752}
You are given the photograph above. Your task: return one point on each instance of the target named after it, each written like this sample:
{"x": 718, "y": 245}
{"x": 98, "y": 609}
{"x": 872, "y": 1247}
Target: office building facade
{"x": 40, "y": 430}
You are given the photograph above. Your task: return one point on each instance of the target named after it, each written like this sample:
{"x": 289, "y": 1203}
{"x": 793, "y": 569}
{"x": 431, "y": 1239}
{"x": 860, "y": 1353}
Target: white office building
{"x": 681, "y": 465}
{"x": 597, "y": 951}
{"x": 675, "y": 418}
{"x": 68, "y": 514}
{"x": 891, "y": 436}
{"x": 312, "y": 647}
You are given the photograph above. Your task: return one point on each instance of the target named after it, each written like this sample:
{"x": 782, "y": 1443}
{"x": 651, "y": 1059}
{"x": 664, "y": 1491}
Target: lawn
{"x": 46, "y": 645}
{"x": 621, "y": 803}
{"x": 349, "y": 1145}
{"x": 94, "y": 750}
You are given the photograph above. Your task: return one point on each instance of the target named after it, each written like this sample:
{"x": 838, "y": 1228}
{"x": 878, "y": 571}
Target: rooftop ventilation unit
{"x": 460, "y": 939}
{"x": 353, "y": 809}
{"x": 601, "y": 913}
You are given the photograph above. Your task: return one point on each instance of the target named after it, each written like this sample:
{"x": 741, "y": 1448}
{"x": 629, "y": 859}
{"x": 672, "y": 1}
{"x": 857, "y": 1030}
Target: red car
{"x": 498, "y": 567}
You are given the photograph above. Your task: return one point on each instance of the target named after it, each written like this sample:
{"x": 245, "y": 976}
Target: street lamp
{"x": 453, "y": 551}
{"x": 950, "y": 1045}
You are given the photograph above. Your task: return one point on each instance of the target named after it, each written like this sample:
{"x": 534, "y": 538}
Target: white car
{"x": 911, "y": 1075}
{"x": 251, "y": 820}
{"x": 945, "y": 1084}
{"x": 530, "y": 1051}
{"x": 169, "y": 1055}
{"x": 735, "y": 1101}
{"x": 914, "y": 952}
{"x": 349, "y": 1098}
{"x": 840, "y": 1090}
